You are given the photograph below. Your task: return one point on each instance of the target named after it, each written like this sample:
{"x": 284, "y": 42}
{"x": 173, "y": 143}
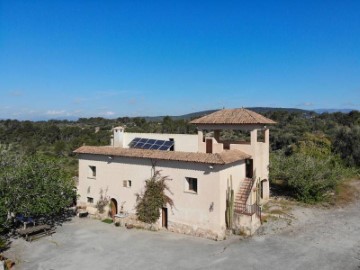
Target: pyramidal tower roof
{"x": 233, "y": 117}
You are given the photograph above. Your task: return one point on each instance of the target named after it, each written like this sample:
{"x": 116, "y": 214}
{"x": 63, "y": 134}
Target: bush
{"x": 307, "y": 178}
{"x": 102, "y": 202}
{"x": 347, "y": 145}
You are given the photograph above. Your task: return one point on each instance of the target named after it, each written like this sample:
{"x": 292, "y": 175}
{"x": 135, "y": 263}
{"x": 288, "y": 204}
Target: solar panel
{"x": 146, "y": 146}
{"x": 145, "y": 143}
{"x": 155, "y": 147}
{"x": 168, "y": 143}
{"x": 133, "y": 142}
{"x": 139, "y": 145}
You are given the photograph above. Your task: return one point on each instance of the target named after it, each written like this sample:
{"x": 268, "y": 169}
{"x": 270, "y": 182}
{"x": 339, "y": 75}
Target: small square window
{"x": 92, "y": 171}
{"x": 90, "y": 200}
{"x": 191, "y": 184}
{"x": 127, "y": 183}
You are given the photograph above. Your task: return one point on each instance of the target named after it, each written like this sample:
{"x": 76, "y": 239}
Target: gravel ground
{"x": 304, "y": 238}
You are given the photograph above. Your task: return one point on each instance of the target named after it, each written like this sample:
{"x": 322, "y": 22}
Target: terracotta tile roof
{"x": 233, "y": 117}
{"x": 225, "y": 157}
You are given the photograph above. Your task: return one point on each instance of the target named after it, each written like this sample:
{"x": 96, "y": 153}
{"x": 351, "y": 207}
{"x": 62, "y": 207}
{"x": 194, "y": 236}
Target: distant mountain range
{"x": 202, "y": 113}
{"x": 333, "y": 110}
{"x": 255, "y": 109}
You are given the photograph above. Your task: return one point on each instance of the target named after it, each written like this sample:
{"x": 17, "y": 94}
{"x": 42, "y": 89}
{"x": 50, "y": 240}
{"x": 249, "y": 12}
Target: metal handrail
{"x": 249, "y": 209}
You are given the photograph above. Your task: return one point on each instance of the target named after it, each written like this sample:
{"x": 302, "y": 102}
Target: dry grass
{"x": 346, "y": 192}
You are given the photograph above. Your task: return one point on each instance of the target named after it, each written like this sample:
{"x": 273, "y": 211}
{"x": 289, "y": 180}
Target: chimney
{"x": 118, "y": 137}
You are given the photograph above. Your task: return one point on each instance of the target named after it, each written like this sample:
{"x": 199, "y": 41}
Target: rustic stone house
{"x": 200, "y": 167}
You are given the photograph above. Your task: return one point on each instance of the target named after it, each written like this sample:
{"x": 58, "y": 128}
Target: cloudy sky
{"x": 70, "y": 59}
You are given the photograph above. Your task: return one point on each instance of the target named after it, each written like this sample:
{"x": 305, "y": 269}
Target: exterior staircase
{"x": 242, "y": 196}
{"x": 247, "y": 216}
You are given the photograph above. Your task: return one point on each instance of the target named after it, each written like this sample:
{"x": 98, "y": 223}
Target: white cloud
{"x": 306, "y": 104}
{"x": 108, "y": 113}
{"x": 57, "y": 113}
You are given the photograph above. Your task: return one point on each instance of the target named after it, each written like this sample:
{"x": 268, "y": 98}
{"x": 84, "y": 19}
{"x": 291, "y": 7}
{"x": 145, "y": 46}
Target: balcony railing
{"x": 248, "y": 209}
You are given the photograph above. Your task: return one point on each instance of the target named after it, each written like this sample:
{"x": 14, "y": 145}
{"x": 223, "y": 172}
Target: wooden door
{"x": 209, "y": 146}
{"x": 113, "y": 210}
{"x": 249, "y": 168}
{"x": 164, "y": 217}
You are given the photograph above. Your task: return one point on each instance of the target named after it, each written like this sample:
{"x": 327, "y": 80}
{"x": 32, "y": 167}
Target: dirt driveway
{"x": 315, "y": 239}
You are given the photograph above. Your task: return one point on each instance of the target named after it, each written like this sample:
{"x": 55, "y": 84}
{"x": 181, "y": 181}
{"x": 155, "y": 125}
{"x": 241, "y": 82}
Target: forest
{"x": 58, "y": 138}
{"x": 311, "y": 157}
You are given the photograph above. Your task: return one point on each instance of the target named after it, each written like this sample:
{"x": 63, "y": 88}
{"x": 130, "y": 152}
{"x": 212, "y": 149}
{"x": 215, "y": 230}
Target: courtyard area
{"x": 315, "y": 239}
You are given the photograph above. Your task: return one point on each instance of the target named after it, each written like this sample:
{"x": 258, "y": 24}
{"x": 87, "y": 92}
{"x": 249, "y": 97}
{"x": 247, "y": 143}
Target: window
{"x": 90, "y": 200}
{"x": 172, "y": 148}
{"x": 127, "y": 183}
{"x": 92, "y": 171}
{"x": 260, "y": 135}
{"x": 191, "y": 184}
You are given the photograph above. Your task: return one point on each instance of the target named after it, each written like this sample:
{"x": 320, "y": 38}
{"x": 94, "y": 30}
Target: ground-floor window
{"x": 90, "y": 200}
{"x": 127, "y": 183}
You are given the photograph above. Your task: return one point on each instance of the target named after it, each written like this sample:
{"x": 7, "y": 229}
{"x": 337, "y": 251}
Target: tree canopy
{"x": 33, "y": 186}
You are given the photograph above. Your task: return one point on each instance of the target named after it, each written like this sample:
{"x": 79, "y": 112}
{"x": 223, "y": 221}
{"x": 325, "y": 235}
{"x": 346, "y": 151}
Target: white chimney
{"x": 118, "y": 137}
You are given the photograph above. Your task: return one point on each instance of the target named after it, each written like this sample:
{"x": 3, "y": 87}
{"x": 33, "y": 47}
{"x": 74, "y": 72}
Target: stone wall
{"x": 131, "y": 221}
{"x": 246, "y": 224}
{"x": 195, "y": 231}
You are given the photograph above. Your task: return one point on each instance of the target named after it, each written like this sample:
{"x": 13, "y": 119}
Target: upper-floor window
{"x": 191, "y": 185}
{"x": 92, "y": 171}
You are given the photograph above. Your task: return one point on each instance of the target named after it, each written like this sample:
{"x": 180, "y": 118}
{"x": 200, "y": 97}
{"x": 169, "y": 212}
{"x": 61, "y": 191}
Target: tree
{"x": 153, "y": 199}
{"x": 34, "y": 186}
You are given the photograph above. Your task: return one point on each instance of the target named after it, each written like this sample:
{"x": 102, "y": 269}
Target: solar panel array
{"x": 144, "y": 143}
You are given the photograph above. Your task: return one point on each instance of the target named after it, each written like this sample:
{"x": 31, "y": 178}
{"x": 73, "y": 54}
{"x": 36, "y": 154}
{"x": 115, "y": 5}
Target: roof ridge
{"x": 248, "y": 112}
{"x": 222, "y": 158}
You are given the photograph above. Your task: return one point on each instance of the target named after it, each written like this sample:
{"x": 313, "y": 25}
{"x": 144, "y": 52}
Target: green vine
{"x": 153, "y": 198}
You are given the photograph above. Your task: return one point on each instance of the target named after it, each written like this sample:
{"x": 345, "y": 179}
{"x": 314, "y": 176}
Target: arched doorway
{"x": 113, "y": 208}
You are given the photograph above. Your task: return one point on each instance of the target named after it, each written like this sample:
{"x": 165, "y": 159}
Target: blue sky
{"x": 116, "y": 58}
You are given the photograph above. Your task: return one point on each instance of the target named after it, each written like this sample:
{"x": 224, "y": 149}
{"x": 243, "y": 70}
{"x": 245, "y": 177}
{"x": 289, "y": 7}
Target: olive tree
{"x": 34, "y": 186}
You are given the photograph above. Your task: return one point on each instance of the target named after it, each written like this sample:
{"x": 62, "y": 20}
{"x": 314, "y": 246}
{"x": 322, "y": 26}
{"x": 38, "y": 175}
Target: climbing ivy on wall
{"x": 153, "y": 198}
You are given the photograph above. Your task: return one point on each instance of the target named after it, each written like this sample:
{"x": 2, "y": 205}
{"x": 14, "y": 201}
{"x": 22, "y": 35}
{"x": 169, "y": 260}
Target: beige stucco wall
{"x": 237, "y": 173}
{"x": 204, "y": 210}
{"x": 259, "y": 152}
{"x": 182, "y": 142}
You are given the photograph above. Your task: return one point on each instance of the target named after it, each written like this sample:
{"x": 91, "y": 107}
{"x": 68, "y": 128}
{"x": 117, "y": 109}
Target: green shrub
{"x": 307, "y": 178}
{"x": 107, "y": 220}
